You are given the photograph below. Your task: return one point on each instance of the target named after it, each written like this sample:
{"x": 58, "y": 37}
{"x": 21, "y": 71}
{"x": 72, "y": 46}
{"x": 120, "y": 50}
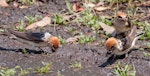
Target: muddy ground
{"x": 90, "y": 55}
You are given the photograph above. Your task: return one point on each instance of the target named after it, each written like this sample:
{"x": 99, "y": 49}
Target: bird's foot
{"x": 126, "y": 59}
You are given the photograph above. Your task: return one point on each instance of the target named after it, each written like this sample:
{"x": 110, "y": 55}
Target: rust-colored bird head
{"x": 110, "y": 43}
{"x": 121, "y": 14}
{"x": 122, "y": 18}
{"x": 54, "y": 42}
{"x": 113, "y": 42}
{"x": 122, "y": 22}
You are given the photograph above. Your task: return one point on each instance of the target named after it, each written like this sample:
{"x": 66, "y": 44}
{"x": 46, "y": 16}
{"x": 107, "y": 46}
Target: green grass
{"x": 24, "y": 51}
{"x": 9, "y": 1}
{"x": 77, "y": 65}
{"x": 2, "y": 30}
{"x": 146, "y": 54}
{"x": 73, "y": 30}
{"x": 18, "y": 70}
{"x": 87, "y": 18}
{"x": 95, "y": 1}
{"x": 105, "y": 20}
{"x": 148, "y": 45}
{"x": 59, "y": 20}
{"x": 62, "y": 41}
{"x": 59, "y": 74}
{"x": 85, "y": 39}
{"x": 32, "y": 19}
{"x": 117, "y": 1}
{"x": 7, "y": 72}
{"x": 22, "y": 71}
{"x": 29, "y": 19}
{"x": 146, "y": 26}
{"x": 45, "y": 69}
{"x": 69, "y": 6}
{"x": 21, "y": 26}
{"x": 26, "y": 2}
{"x": 124, "y": 70}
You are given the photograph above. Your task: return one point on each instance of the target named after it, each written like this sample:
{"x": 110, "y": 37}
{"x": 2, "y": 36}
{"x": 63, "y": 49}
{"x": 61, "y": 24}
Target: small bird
{"x": 37, "y": 39}
{"x": 121, "y": 24}
{"x": 122, "y": 46}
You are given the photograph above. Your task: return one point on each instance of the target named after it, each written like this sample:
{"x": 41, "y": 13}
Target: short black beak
{"x": 108, "y": 53}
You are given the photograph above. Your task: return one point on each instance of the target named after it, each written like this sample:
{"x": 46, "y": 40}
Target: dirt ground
{"x": 90, "y": 55}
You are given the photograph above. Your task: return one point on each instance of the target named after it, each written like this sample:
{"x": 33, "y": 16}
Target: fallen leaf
{"x": 22, "y": 7}
{"x": 101, "y": 8}
{"x": 77, "y": 7}
{"x": 90, "y": 5}
{"x": 73, "y": 39}
{"x": 3, "y": 3}
{"x": 45, "y": 21}
{"x": 15, "y": 4}
{"x": 144, "y": 3}
{"x": 100, "y": 4}
{"x": 106, "y": 28}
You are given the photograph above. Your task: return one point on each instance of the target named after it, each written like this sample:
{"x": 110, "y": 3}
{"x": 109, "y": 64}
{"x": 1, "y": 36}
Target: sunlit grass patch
{"x": 77, "y": 65}
{"x": 146, "y": 27}
{"x": 32, "y": 19}
{"x": 7, "y": 71}
{"x": 85, "y": 39}
{"x": 124, "y": 70}
{"x": 27, "y": 2}
{"x": 21, "y": 26}
{"x": 62, "y": 41}
{"x": 59, "y": 20}
{"x": 45, "y": 69}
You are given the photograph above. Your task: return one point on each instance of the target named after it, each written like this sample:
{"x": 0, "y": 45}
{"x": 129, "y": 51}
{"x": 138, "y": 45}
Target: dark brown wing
{"x": 35, "y": 37}
{"x": 130, "y": 38}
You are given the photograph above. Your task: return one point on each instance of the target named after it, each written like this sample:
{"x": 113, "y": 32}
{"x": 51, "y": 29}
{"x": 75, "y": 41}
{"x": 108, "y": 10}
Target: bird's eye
{"x": 112, "y": 48}
{"x": 119, "y": 17}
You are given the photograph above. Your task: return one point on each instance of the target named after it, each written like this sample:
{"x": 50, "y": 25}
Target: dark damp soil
{"x": 90, "y": 55}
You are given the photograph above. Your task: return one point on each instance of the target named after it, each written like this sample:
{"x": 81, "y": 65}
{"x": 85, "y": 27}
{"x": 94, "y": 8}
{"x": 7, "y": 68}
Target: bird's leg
{"x": 126, "y": 55}
{"x": 41, "y": 50}
{"x": 111, "y": 60}
{"x": 53, "y": 49}
{"x": 114, "y": 57}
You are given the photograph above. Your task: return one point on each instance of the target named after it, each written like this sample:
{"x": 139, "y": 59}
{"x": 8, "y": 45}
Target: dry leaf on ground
{"x": 94, "y": 5}
{"x": 15, "y": 4}
{"x": 3, "y": 3}
{"x": 77, "y": 7}
{"x": 45, "y": 21}
{"x": 22, "y": 7}
{"x": 73, "y": 39}
{"x": 100, "y": 4}
{"x": 101, "y": 8}
{"x": 145, "y": 3}
{"x": 106, "y": 28}
{"x": 90, "y": 5}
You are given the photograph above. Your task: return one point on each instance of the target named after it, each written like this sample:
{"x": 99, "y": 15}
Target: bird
{"x": 122, "y": 46}
{"x": 122, "y": 24}
{"x": 37, "y": 39}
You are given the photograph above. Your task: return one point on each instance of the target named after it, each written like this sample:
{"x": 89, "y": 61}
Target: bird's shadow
{"x": 23, "y": 50}
{"x": 112, "y": 59}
